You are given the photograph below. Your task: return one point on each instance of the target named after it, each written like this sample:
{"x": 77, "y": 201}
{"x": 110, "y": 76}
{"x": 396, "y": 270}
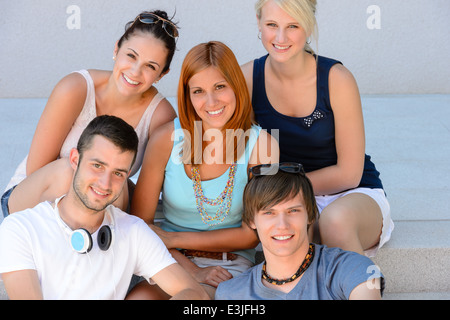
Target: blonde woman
{"x": 315, "y": 104}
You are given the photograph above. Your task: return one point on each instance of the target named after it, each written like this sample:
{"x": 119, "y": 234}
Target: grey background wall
{"x": 391, "y": 46}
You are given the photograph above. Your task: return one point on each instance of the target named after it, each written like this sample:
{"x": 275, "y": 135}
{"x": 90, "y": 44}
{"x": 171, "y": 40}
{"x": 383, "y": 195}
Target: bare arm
{"x": 209, "y": 275}
{"x": 151, "y": 178}
{"x": 63, "y": 107}
{"x": 22, "y": 285}
{"x": 176, "y": 282}
{"x": 46, "y": 184}
{"x": 247, "y": 70}
{"x": 222, "y": 240}
{"x": 367, "y": 291}
{"x": 349, "y": 136}
{"x": 163, "y": 114}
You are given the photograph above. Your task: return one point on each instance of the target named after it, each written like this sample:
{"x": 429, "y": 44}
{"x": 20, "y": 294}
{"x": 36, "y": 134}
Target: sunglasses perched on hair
{"x": 150, "y": 18}
{"x": 271, "y": 169}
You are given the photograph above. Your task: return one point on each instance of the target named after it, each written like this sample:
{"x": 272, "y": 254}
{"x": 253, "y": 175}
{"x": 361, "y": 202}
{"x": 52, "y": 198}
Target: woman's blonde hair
{"x": 218, "y": 55}
{"x": 303, "y": 11}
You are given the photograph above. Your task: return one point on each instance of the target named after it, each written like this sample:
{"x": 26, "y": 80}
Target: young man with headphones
{"x": 82, "y": 247}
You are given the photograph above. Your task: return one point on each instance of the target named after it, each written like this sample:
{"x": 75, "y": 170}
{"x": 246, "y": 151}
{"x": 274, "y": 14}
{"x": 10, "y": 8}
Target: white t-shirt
{"x": 37, "y": 239}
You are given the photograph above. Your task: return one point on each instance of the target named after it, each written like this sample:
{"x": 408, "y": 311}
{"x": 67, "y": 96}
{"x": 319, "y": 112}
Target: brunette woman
{"x": 142, "y": 57}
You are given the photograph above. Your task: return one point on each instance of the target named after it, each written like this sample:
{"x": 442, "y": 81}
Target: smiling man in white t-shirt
{"x": 82, "y": 247}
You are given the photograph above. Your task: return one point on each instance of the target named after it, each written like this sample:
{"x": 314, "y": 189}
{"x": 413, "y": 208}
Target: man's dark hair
{"x": 116, "y": 130}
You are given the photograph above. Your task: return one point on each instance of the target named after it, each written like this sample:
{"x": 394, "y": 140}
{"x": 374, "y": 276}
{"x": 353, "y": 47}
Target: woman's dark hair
{"x": 156, "y": 30}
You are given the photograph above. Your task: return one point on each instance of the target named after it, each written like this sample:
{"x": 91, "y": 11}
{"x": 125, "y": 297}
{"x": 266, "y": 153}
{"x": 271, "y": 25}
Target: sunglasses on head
{"x": 150, "y": 18}
{"x": 271, "y": 169}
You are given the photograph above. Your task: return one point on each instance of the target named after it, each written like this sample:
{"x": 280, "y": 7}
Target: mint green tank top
{"x": 178, "y": 197}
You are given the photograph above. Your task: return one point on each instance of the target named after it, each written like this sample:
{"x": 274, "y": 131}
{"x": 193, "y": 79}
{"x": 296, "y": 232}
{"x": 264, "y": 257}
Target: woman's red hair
{"x": 218, "y": 55}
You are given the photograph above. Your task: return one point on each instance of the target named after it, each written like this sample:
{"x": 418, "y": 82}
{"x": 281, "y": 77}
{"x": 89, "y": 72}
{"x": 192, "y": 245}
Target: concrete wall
{"x": 399, "y": 46}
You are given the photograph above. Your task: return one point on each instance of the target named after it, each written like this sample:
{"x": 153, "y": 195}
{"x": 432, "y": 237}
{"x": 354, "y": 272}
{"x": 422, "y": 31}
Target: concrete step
{"x": 3, "y": 295}
{"x": 417, "y": 296}
{"x": 417, "y": 257}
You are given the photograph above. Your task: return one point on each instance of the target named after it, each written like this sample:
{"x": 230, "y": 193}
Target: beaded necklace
{"x": 223, "y": 200}
{"x": 305, "y": 264}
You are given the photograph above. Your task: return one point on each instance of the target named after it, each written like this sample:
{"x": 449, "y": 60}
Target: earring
{"x": 114, "y": 58}
{"x": 259, "y": 35}
{"x": 308, "y": 41}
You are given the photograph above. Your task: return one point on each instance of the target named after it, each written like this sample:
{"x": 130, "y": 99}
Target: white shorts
{"x": 235, "y": 267}
{"x": 380, "y": 198}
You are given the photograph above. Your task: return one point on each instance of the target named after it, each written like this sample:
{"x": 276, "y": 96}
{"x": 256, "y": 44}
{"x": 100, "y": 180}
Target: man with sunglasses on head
{"x": 81, "y": 246}
{"x": 279, "y": 204}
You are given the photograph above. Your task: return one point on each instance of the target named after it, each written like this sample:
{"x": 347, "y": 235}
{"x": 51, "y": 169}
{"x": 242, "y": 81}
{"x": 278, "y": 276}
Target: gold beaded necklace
{"x": 223, "y": 200}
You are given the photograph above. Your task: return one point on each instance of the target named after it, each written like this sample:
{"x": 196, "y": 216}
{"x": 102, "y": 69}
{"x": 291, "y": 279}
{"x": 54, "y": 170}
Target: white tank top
{"x": 88, "y": 113}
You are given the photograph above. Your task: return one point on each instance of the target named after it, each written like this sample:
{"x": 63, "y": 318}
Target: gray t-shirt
{"x": 332, "y": 275}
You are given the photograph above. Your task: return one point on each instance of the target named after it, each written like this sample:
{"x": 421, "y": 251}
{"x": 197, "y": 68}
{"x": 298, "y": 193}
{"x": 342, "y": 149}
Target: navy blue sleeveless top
{"x": 309, "y": 140}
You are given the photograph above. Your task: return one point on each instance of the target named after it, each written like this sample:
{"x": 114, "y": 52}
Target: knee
{"x": 336, "y": 226}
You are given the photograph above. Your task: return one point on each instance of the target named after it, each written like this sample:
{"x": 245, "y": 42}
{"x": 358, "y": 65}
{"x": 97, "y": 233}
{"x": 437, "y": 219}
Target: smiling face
{"x": 101, "y": 173}
{"x": 139, "y": 63}
{"x": 282, "y": 35}
{"x": 212, "y": 97}
{"x": 282, "y": 229}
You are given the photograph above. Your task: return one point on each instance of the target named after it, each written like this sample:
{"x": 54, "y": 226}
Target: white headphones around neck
{"x": 81, "y": 239}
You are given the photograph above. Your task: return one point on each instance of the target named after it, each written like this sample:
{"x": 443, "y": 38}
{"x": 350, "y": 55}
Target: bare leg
{"x": 145, "y": 291}
{"x": 352, "y": 223}
{"x": 314, "y": 232}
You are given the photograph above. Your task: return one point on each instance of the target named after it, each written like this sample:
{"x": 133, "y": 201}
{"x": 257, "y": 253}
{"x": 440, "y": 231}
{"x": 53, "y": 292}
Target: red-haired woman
{"x": 202, "y": 172}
